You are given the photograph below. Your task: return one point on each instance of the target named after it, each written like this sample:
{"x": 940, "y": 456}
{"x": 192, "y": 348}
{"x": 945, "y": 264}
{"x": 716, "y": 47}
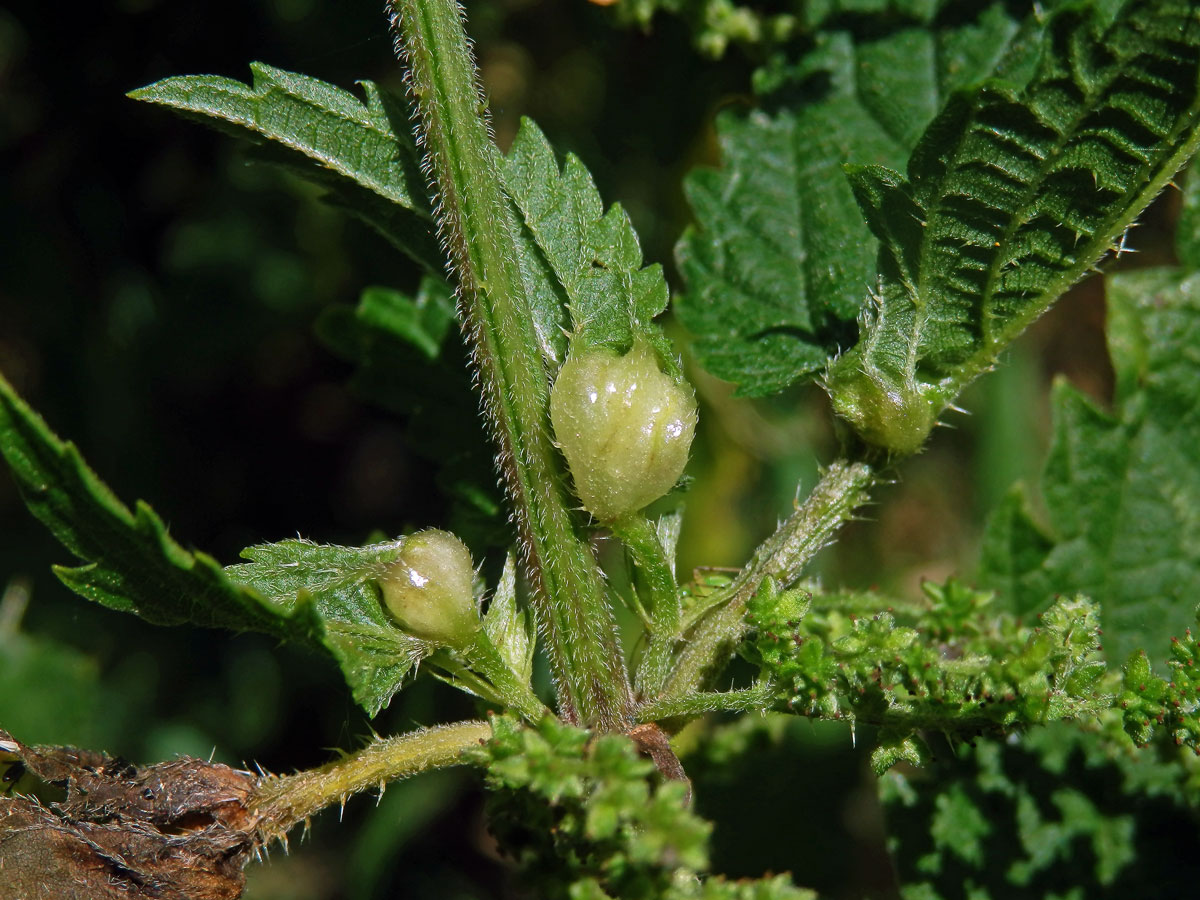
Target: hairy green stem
{"x": 476, "y": 228}
{"x": 783, "y": 556}
{"x": 484, "y": 658}
{"x": 641, "y": 539}
{"x": 755, "y": 699}
{"x": 283, "y": 801}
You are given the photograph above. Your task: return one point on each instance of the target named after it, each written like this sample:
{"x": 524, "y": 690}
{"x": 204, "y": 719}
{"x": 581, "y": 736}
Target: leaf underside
{"x": 361, "y": 151}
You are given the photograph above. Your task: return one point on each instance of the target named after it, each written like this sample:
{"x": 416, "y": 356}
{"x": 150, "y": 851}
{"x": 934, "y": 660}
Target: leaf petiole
{"x": 842, "y": 489}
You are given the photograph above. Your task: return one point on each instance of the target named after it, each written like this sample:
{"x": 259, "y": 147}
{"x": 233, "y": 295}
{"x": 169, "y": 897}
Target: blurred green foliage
{"x": 1061, "y": 813}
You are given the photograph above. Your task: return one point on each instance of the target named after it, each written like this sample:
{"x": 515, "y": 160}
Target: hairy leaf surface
{"x": 1011, "y": 196}
{"x": 578, "y": 256}
{"x": 509, "y": 626}
{"x": 779, "y": 262}
{"x": 339, "y": 585}
{"x": 358, "y": 150}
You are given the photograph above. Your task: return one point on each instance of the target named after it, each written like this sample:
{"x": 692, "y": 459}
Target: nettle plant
{"x": 917, "y": 186}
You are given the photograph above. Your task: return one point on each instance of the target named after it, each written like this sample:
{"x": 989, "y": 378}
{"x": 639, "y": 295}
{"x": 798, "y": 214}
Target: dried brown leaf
{"x": 178, "y": 830}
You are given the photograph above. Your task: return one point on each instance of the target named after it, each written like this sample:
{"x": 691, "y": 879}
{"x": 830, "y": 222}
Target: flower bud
{"x": 429, "y": 588}
{"x": 624, "y": 426}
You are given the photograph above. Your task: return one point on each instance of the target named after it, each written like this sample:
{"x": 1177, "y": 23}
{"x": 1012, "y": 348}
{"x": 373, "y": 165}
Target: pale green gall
{"x": 429, "y": 588}
{"x": 894, "y": 417}
{"x": 624, "y": 425}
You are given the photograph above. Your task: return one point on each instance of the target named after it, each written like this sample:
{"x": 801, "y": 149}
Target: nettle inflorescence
{"x": 583, "y": 816}
{"x": 963, "y": 671}
{"x": 1152, "y": 705}
{"x": 960, "y": 668}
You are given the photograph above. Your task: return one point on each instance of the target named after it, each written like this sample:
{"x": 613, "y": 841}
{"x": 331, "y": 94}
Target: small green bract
{"x": 625, "y": 427}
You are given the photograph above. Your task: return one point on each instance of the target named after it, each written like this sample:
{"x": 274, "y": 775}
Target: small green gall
{"x": 429, "y": 588}
{"x": 894, "y": 417}
{"x": 624, "y": 425}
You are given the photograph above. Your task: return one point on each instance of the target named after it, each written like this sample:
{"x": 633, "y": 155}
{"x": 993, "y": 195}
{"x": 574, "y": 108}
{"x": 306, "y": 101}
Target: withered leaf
{"x": 178, "y": 830}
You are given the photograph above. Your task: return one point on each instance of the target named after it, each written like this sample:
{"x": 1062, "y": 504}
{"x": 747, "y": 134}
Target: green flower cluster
{"x": 1153, "y": 705}
{"x": 965, "y": 672}
{"x": 584, "y": 817}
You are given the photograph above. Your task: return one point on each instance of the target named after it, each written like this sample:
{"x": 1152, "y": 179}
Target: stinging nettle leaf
{"x": 328, "y": 125}
{"x": 509, "y": 626}
{"x": 778, "y": 258}
{"x": 360, "y": 151}
{"x": 1011, "y": 196}
{"x": 339, "y": 585}
{"x": 576, "y": 255}
{"x": 779, "y": 261}
{"x": 133, "y": 564}
{"x": 1121, "y": 489}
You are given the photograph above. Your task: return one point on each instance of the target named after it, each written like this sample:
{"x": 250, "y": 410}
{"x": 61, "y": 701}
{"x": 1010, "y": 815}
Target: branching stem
{"x": 755, "y": 699}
